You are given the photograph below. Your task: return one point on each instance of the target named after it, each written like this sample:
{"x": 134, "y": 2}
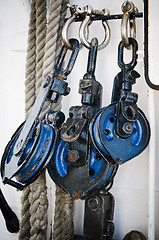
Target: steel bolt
{"x": 19, "y": 144}
{"x": 119, "y": 160}
{"x": 73, "y": 156}
{"x": 75, "y": 195}
{"x": 127, "y": 7}
{"x": 128, "y": 128}
{"x": 93, "y": 203}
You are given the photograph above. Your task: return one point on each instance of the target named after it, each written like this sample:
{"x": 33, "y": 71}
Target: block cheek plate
{"x": 108, "y": 143}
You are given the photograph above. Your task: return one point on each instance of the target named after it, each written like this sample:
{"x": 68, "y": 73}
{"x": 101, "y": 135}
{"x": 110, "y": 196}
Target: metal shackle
{"x": 76, "y": 11}
{"x": 85, "y": 24}
{"x": 128, "y": 24}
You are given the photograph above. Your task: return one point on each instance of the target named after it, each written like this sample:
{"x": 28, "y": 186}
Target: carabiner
{"x": 86, "y": 22}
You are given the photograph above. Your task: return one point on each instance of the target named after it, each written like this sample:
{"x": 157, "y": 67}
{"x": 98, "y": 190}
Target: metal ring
{"x": 86, "y": 22}
{"x": 65, "y": 39}
{"x": 65, "y": 32}
{"x": 127, "y": 10}
{"x": 124, "y": 29}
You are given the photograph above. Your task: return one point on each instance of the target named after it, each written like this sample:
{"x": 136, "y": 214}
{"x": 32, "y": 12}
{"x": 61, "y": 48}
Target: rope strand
{"x": 38, "y": 190}
{"x": 43, "y": 49}
{"x": 30, "y": 62}
{"x": 29, "y": 101}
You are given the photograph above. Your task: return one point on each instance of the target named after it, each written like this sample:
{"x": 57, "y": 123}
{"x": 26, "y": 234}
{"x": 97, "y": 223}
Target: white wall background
{"x": 14, "y": 17}
{"x": 131, "y": 183}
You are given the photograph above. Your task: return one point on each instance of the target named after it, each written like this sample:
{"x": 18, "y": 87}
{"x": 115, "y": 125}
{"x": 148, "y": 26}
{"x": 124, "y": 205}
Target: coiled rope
{"x": 43, "y": 49}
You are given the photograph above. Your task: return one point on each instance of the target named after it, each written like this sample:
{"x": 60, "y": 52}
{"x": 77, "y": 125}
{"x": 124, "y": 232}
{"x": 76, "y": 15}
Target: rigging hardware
{"x": 32, "y": 145}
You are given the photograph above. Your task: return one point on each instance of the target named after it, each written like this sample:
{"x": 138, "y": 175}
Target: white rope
{"x": 34, "y": 206}
{"x": 31, "y": 62}
{"x": 34, "y": 199}
{"x": 50, "y": 47}
{"x": 40, "y": 40}
{"x": 50, "y": 55}
{"x": 38, "y": 190}
{"x": 24, "y": 233}
{"x": 38, "y": 208}
{"x": 29, "y": 101}
{"x": 63, "y": 217}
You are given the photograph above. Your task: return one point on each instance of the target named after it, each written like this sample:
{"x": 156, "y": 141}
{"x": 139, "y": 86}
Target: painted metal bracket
{"x": 146, "y": 46}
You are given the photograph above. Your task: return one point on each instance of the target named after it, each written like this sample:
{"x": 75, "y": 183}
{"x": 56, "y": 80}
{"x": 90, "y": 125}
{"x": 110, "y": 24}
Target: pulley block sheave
{"x": 33, "y": 159}
{"x": 115, "y": 149}
{"x": 32, "y": 145}
{"x": 76, "y": 165}
{"x": 121, "y": 131}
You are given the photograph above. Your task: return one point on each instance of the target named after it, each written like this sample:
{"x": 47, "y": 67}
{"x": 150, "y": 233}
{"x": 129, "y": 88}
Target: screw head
{"x": 93, "y": 203}
{"x": 73, "y": 156}
{"x": 128, "y": 128}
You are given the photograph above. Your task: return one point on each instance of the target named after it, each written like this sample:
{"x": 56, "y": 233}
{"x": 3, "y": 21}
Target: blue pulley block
{"x": 80, "y": 182}
{"x": 107, "y": 141}
{"x": 76, "y": 166}
{"x": 33, "y": 160}
{"x": 93, "y": 128}
{"x": 32, "y": 145}
{"x": 121, "y": 131}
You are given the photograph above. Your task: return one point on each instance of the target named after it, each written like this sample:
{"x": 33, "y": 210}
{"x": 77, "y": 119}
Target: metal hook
{"x": 128, "y": 8}
{"x": 86, "y": 22}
